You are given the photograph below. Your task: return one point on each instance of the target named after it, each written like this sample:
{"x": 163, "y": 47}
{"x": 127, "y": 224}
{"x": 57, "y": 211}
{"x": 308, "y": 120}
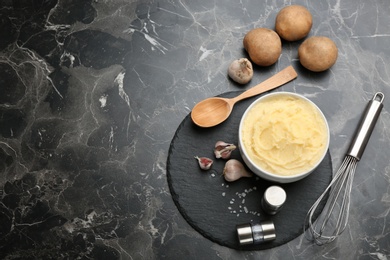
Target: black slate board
{"x": 213, "y": 206}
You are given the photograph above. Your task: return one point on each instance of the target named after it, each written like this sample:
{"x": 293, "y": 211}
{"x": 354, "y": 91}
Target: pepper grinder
{"x": 250, "y": 233}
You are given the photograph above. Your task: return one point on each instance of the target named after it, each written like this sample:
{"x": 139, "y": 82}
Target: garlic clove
{"x": 235, "y": 170}
{"x": 223, "y": 150}
{"x": 204, "y": 162}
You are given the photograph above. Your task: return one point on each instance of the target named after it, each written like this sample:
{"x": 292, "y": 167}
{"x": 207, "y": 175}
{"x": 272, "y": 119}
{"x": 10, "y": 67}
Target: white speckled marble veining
{"x": 92, "y": 92}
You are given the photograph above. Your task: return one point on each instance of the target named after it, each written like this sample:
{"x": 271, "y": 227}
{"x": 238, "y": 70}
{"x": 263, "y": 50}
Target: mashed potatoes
{"x": 284, "y": 135}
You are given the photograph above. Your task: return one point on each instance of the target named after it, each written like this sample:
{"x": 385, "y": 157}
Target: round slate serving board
{"x": 213, "y": 206}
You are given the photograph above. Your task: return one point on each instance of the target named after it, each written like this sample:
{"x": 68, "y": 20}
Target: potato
{"x": 293, "y": 22}
{"x": 263, "y": 46}
{"x": 317, "y": 53}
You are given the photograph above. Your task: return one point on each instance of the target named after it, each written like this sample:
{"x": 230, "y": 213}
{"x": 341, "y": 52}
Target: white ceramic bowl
{"x": 268, "y": 175}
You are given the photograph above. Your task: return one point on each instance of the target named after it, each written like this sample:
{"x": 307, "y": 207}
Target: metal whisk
{"x": 334, "y": 217}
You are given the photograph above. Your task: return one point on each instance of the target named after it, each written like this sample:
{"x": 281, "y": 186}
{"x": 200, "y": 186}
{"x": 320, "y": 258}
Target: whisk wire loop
{"x": 338, "y": 198}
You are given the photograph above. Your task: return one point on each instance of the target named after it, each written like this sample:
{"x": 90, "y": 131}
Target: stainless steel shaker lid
{"x": 244, "y": 232}
{"x": 268, "y": 230}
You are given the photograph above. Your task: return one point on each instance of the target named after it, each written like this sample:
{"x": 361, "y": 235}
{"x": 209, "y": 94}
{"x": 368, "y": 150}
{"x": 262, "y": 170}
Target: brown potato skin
{"x": 293, "y": 22}
{"x": 263, "y": 46}
{"x": 317, "y": 53}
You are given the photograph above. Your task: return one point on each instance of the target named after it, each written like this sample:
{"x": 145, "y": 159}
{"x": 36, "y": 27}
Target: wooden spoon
{"x": 213, "y": 111}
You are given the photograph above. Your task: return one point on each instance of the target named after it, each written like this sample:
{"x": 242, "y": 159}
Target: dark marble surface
{"x": 91, "y": 93}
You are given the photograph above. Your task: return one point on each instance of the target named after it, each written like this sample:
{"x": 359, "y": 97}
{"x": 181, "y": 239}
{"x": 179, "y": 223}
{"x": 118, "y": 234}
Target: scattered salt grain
{"x": 241, "y": 196}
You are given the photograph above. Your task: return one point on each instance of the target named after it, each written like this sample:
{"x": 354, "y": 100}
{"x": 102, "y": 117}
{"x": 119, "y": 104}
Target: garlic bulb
{"x": 235, "y": 170}
{"x": 241, "y": 71}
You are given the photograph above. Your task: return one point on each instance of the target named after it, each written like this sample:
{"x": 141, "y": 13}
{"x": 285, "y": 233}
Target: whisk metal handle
{"x": 366, "y": 125}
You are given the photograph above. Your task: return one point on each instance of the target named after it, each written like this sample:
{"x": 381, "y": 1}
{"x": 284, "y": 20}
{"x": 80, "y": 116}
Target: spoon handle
{"x": 275, "y": 81}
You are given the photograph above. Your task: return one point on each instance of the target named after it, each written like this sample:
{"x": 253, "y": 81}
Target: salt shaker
{"x": 273, "y": 199}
